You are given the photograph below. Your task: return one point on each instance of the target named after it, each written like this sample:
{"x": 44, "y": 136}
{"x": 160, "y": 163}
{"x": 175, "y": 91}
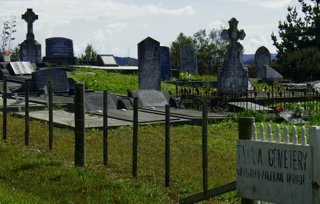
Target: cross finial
{"x": 233, "y": 34}
{"x": 29, "y": 16}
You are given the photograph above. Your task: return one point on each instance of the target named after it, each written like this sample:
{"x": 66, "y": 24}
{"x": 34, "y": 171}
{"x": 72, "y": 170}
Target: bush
{"x": 259, "y": 117}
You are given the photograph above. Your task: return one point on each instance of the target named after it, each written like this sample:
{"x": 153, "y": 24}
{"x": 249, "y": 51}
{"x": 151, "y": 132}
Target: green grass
{"x": 36, "y": 175}
{"x": 112, "y": 82}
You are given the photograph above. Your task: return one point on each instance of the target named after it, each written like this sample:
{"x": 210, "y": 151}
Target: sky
{"x": 117, "y": 26}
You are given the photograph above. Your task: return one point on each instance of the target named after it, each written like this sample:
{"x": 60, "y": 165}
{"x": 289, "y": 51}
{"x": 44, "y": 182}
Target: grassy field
{"x": 36, "y": 175}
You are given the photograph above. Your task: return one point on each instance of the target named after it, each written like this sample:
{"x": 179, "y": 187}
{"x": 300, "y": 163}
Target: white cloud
{"x": 116, "y": 28}
{"x": 218, "y": 24}
{"x": 271, "y": 4}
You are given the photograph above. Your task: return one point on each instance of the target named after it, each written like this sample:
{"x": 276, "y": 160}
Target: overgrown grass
{"x": 35, "y": 175}
{"x": 112, "y": 82}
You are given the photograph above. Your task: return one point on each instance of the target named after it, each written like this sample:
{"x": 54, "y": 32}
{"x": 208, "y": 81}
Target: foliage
{"x": 299, "y": 42}
{"x": 208, "y": 46}
{"x": 89, "y": 56}
{"x": 9, "y": 28}
{"x": 184, "y": 76}
{"x": 34, "y": 174}
{"x": 112, "y": 82}
{"x": 15, "y": 54}
{"x": 259, "y": 117}
{"x": 175, "y": 48}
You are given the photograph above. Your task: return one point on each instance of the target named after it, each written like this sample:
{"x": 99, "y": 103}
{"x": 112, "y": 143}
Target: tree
{"x": 208, "y": 46}
{"x": 176, "y": 47}
{"x": 9, "y": 28}
{"x": 89, "y": 56}
{"x": 299, "y": 38}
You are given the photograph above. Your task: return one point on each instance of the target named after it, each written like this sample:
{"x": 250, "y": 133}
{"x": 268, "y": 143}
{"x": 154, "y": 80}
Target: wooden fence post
{"x": 4, "y": 98}
{"x": 105, "y": 128}
{"x": 167, "y": 147}
{"x": 314, "y": 133}
{"x": 79, "y": 125}
{"x": 205, "y": 146}
{"x": 50, "y": 109}
{"x": 245, "y": 133}
{"x": 26, "y": 110}
{"x": 135, "y": 137}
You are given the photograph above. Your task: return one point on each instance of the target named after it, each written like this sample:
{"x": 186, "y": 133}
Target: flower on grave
{"x": 7, "y": 52}
{"x": 278, "y": 109}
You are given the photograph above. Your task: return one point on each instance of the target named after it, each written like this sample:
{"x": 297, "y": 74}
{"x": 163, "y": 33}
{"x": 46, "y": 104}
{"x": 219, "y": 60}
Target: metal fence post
{"x": 167, "y": 147}
{"x": 205, "y": 146}
{"x": 4, "y": 98}
{"x": 79, "y": 125}
{"x": 135, "y": 137}
{"x": 50, "y": 109}
{"x": 26, "y": 109}
{"x": 105, "y": 128}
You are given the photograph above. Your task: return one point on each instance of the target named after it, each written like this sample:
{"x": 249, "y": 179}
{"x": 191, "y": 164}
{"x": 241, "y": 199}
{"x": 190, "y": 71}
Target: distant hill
{"x": 126, "y": 61}
{"x": 249, "y": 58}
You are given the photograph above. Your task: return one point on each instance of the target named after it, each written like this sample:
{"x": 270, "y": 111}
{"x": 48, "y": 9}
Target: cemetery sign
{"x": 274, "y": 172}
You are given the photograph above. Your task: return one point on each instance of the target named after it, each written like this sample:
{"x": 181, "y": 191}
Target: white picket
{"x": 278, "y": 134}
{"x": 286, "y": 135}
{"x": 294, "y": 135}
{"x": 270, "y": 133}
{"x": 261, "y": 132}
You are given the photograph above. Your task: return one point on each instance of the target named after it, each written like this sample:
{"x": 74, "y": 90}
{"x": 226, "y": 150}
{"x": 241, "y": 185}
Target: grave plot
{"x": 66, "y": 119}
{"x": 94, "y": 104}
{"x": 152, "y": 101}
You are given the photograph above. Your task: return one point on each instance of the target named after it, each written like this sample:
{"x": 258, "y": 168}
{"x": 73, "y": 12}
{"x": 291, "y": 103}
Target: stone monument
{"x": 232, "y": 78}
{"x": 30, "y": 49}
{"x": 165, "y": 63}
{"x": 59, "y": 51}
{"x": 188, "y": 59}
{"x": 149, "y": 72}
{"x": 262, "y": 58}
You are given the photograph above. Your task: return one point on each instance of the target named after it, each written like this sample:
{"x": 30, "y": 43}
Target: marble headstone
{"x": 59, "y": 51}
{"x": 149, "y": 73}
{"x": 165, "y": 63}
{"x": 94, "y": 102}
{"x": 232, "y": 78}
{"x": 262, "y": 58}
{"x": 58, "y": 77}
{"x": 188, "y": 59}
{"x": 20, "y": 68}
{"x": 150, "y": 98}
{"x": 107, "y": 60}
{"x": 30, "y": 49}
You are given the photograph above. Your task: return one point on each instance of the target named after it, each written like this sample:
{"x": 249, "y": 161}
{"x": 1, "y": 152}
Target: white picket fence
{"x": 277, "y": 137}
{"x": 267, "y": 137}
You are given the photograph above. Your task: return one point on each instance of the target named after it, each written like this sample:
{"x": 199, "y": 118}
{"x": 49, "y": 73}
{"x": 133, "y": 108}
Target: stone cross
{"x": 29, "y": 16}
{"x": 233, "y": 34}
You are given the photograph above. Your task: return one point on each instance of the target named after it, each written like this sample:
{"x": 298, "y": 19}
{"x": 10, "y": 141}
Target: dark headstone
{"x": 106, "y": 60}
{"x": 232, "y": 78}
{"x": 30, "y": 49}
{"x": 20, "y": 68}
{"x": 94, "y": 102}
{"x": 262, "y": 58}
{"x": 149, "y": 73}
{"x": 151, "y": 98}
{"x": 165, "y": 63}
{"x": 59, "y": 51}
{"x": 188, "y": 59}
{"x": 57, "y": 76}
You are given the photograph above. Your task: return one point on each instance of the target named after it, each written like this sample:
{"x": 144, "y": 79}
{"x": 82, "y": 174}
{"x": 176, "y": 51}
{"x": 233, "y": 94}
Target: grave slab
{"x": 250, "y": 106}
{"x": 12, "y": 105}
{"x": 183, "y": 113}
{"x": 66, "y": 119}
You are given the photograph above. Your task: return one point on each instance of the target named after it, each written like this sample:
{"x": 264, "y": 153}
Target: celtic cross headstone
{"x": 232, "y": 78}
{"x": 30, "y": 49}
